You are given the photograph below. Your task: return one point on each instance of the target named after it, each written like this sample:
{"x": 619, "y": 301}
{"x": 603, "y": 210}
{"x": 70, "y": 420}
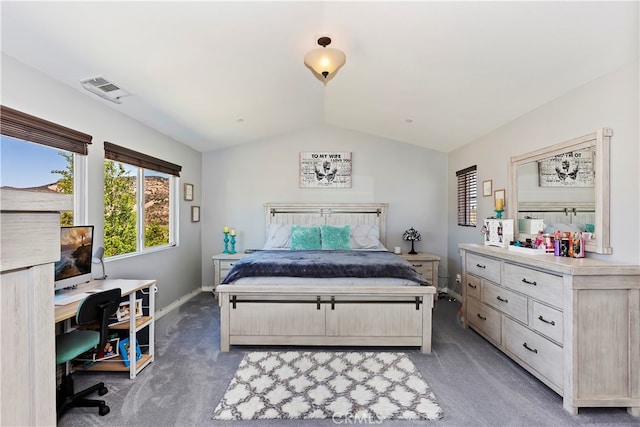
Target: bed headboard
{"x": 329, "y": 213}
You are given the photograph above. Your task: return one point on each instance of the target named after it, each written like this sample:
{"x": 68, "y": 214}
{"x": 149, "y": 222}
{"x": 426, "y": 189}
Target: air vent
{"x": 104, "y": 89}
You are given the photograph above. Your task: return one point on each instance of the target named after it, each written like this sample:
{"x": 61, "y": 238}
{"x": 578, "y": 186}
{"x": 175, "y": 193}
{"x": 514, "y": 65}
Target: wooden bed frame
{"x": 326, "y": 315}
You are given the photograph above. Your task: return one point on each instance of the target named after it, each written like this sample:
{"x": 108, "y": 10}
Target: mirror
{"x": 564, "y": 187}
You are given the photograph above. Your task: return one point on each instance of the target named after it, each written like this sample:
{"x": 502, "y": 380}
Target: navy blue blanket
{"x": 323, "y": 264}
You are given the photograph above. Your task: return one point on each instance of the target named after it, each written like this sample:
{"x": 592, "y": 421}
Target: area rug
{"x": 343, "y": 386}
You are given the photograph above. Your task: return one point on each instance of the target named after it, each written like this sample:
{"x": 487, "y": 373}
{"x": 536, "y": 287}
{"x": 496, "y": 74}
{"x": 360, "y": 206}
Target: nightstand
{"x": 426, "y": 265}
{"x": 222, "y": 263}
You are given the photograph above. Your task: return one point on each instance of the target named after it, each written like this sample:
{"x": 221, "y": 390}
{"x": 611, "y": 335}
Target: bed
{"x": 274, "y": 307}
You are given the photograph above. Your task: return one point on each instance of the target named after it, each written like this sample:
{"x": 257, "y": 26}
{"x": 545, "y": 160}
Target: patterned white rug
{"x": 353, "y": 386}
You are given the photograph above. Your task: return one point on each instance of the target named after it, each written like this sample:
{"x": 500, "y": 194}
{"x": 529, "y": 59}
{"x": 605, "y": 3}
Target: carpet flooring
{"x": 367, "y": 386}
{"x": 474, "y": 383}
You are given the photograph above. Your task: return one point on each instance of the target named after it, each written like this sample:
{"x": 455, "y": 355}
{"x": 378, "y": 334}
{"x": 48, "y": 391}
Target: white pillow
{"x": 365, "y": 236}
{"x": 278, "y": 236}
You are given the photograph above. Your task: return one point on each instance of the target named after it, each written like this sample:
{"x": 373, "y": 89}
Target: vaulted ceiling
{"x": 215, "y": 74}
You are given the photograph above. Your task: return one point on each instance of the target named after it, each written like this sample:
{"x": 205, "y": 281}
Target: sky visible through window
{"x": 25, "y": 165}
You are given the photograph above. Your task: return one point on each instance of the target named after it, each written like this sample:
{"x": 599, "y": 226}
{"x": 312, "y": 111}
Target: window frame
{"x": 26, "y": 127}
{"x": 142, "y": 162}
{"x": 467, "y": 187}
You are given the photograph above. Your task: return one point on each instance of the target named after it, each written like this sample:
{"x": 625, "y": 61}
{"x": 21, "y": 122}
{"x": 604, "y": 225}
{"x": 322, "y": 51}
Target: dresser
{"x": 30, "y": 241}
{"x": 572, "y": 323}
{"x": 426, "y": 265}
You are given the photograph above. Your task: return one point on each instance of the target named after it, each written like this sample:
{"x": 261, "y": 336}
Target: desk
{"x": 129, "y": 288}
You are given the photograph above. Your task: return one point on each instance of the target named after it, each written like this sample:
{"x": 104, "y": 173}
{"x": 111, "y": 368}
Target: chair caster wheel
{"x": 103, "y": 391}
{"x": 103, "y": 410}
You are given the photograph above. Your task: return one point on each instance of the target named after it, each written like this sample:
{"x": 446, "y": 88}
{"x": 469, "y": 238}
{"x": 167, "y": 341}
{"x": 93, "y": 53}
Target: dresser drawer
{"x": 487, "y": 268}
{"x": 542, "y": 286}
{"x": 485, "y": 319}
{"x": 505, "y": 301}
{"x": 536, "y": 351}
{"x": 472, "y": 286}
{"x": 424, "y": 269}
{"x": 227, "y": 264}
{"x": 547, "y": 321}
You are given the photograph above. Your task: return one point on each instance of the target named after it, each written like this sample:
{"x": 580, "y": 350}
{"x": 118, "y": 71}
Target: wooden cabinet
{"x": 426, "y": 265}
{"x": 30, "y": 240}
{"x": 222, "y": 263}
{"x": 573, "y": 323}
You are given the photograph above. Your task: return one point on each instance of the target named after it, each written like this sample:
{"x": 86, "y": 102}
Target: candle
{"x": 233, "y": 232}
{"x": 499, "y": 204}
{"x": 226, "y": 229}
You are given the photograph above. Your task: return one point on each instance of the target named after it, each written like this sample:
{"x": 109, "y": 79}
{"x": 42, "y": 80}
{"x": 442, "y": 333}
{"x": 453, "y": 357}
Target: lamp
{"x": 98, "y": 258}
{"x": 412, "y": 235}
{"x": 324, "y": 61}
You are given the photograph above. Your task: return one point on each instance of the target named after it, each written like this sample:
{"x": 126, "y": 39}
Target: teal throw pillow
{"x": 305, "y": 238}
{"x": 336, "y": 238}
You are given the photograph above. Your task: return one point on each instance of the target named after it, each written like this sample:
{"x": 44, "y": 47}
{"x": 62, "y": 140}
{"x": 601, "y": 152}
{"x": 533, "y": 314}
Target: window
{"x": 38, "y": 155}
{"x": 140, "y": 201}
{"x": 467, "y": 196}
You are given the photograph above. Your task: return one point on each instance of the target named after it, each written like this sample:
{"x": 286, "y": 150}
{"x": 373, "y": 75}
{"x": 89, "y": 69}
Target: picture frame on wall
{"x": 487, "y": 188}
{"x": 195, "y": 213}
{"x": 188, "y": 192}
{"x": 571, "y": 169}
{"x": 325, "y": 169}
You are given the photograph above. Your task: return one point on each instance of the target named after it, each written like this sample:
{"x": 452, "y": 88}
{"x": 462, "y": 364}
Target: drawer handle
{"x": 501, "y": 299}
{"x": 417, "y": 265}
{"x": 528, "y": 282}
{"x": 533, "y": 350}
{"x": 472, "y": 286}
{"x": 550, "y": 322}
{"x": 481, "y": 266}
{"x": 480, "y": 317}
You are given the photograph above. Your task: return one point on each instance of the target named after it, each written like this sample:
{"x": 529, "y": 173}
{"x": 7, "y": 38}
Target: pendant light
{"x": 325, "y": 61}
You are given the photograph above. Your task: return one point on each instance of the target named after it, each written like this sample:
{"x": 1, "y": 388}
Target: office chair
{"x": 98, "y": 307}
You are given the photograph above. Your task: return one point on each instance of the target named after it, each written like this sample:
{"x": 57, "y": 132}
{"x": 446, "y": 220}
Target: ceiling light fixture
{"x": 325, "y": 61}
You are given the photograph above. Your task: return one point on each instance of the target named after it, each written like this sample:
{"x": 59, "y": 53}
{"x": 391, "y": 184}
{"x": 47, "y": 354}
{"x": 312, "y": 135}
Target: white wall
{"x": 610, "y": 101}
{"x": 237, "y": 182}
{"x": 178, "y": 270}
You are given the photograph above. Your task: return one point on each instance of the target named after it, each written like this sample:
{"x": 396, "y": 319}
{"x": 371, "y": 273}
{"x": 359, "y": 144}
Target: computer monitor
{"x": 76, "y": 251}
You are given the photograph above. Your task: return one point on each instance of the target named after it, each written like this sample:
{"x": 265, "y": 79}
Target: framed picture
{"x": 487, "y": 189}
{"x": 499, "y": 199}
{"x": 571, "y": 169}
{"x": 111, "y": 349}
{"x": 124, "y": 313}
{"x": 124, "y": 350}
{"x": 195, "y": 213}
{"x": 325, "y": 170}
{"x": 188, "y": 192}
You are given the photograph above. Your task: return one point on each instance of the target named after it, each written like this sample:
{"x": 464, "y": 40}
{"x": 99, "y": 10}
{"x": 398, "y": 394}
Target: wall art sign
{"x": 572, "y": 169}
{"x": 325, "y": 170}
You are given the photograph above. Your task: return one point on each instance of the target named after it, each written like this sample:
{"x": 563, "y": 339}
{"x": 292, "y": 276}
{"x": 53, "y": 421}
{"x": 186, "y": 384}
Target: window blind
{"x": 125, "y": 155}
{"x": 26, "y": 127}
{"x": 467, "y": 196}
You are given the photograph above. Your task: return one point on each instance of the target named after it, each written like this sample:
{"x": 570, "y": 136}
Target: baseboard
{"x": 177, "y": 303}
